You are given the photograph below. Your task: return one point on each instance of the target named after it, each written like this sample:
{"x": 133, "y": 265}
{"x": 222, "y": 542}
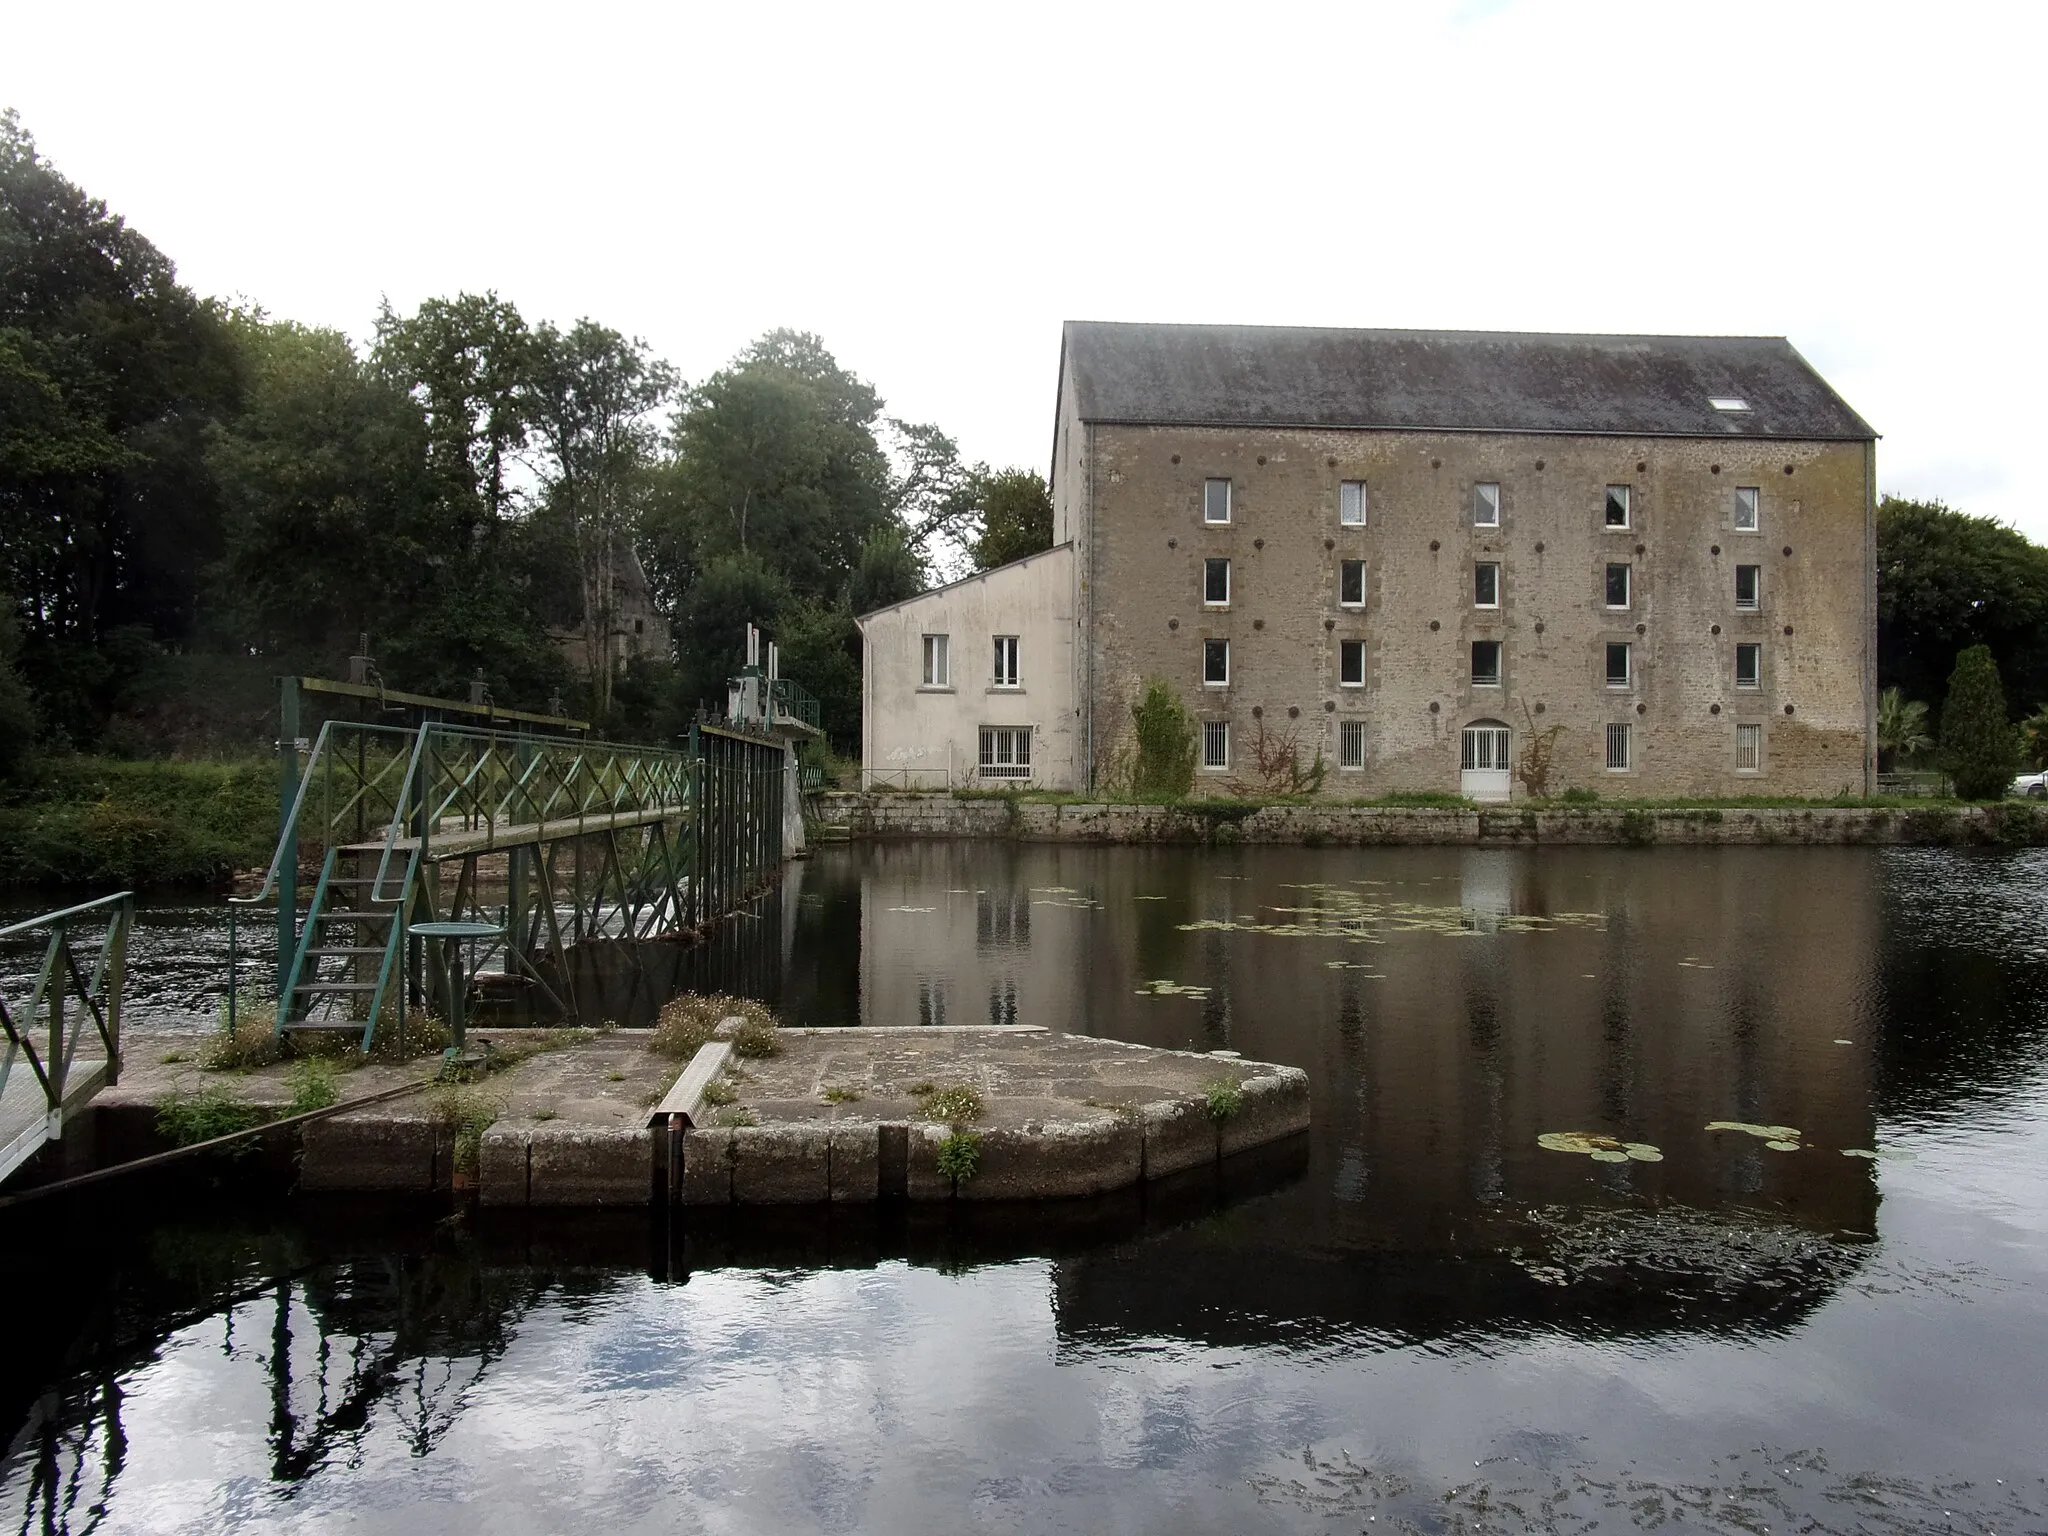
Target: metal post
{"x": 288, "y": 866}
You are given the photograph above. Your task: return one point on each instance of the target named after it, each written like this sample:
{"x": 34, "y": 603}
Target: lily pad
{"x": 1642, "y": 1152}
{"x": 1859, "y": 1152}
{"x": 1165, "y": 988}
{"x": 1607, "y": 1155}
{"x": 1782, "y": 1146}
{"x": 1760, "y": 1132}
{"x": 1575, "y": 1141}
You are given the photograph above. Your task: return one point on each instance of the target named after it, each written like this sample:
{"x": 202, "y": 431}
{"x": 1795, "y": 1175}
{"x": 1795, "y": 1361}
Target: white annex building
{"x": 973, "y": 683}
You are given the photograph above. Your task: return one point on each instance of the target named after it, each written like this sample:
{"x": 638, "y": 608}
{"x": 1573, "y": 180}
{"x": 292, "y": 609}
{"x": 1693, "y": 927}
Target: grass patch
{"x": 718, "y": 1095}
{"x": 960, "y": 1155}
{"x": 468, "y": 1113}
{"x": 545, "y": 1114}
{"x": 756, "y": 1040}
{"x": 841, "y": 1093}
{"x": 251, "y": 1043}
{"x": 735, "y": 1118}
{"x": 107, "y": 822}
{"x": 313, "y": 1084}
{"x": 185, "y": 1120}
{"x": 687, "y": 1023}
{"x": 1223, "y": 1099}
{"x": 950, "y": 1105}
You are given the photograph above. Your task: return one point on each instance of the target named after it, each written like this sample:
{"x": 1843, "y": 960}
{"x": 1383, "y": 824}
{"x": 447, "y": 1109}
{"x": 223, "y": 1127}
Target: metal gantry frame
{"x": 45, "y": 1035}
{"x": 557, "y": 840}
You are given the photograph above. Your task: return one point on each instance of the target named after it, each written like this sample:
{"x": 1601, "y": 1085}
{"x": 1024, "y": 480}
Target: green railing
{"x": 45, "y": 1033}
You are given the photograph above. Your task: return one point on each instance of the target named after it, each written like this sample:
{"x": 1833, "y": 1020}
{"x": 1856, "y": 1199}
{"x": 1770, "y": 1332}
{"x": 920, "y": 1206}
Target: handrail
{"x": 44, "y": 920}
{"x": 101, "y": 996}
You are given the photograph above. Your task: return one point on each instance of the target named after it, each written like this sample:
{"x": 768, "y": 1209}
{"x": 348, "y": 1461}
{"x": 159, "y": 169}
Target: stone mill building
{"x": 1488, "y": 564}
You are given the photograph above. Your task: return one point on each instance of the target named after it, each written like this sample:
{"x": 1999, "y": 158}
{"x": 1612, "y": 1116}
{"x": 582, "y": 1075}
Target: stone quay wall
{"x": 865, "y": 816}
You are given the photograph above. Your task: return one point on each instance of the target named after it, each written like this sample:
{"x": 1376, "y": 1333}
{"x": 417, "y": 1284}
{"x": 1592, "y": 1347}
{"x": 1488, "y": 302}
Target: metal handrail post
{"x": 288, "y": 863}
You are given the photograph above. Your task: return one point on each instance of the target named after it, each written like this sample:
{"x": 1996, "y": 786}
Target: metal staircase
{"x": 348, "y": 957}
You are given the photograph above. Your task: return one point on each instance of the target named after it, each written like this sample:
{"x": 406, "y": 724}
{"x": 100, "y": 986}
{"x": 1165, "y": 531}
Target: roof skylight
{"x": 1728, "y": 402}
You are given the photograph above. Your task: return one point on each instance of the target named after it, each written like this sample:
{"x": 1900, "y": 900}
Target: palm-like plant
{"x": 2034, "y": 737}
{"x": 1902, "y": 727}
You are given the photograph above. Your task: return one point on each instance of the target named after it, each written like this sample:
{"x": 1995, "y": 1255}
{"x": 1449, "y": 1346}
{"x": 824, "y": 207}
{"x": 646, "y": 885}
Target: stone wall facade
{"x": 1131, "y": 498}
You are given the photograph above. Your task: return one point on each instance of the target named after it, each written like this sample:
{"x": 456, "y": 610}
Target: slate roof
{"x": 1466, "y": 381}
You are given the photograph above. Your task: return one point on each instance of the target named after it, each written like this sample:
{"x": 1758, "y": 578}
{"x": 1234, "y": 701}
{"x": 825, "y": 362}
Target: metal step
{"x": 374, "y": 949}
{"x": 335, "y": 986}
{"x": 355, "y": 915}
{"x": 306, "y": 1026}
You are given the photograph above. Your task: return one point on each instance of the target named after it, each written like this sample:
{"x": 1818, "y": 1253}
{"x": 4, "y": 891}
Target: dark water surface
{"x": 1420, "y": 1320}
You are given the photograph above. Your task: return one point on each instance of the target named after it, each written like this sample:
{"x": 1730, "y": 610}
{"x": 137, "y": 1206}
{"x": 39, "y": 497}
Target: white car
{"x": 2033, "y": 785}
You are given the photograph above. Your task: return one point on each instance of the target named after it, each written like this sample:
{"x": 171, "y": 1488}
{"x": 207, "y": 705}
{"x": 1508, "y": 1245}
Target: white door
{"x": 1483, "y": 761}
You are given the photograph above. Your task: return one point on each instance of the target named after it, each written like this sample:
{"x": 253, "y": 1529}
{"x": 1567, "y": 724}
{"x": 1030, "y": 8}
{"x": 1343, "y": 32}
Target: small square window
{"x": 1485, "y": 663}
{"x": 1617, "y": 506}
{"x": 1216, "y": 583}
{"x": 1215, "y": 501}
{"x": 1486, "y": 505}
{"x": 1746, "y": 516}
{"x": 1005, "y": 752}
{"x": 1351, "y": 663}
{"x": 1351, "y": 744}
{"x": 1617, "y": 584}
{"x": 1351, "y": 583}
{"x": 1749, "y": 748}
{"x": 1006, "y": 662}
{"x": 1215, "y": 743}
{"x": 1618, "y": 674}
{"x": 936, "y": 674}
{"x": 1351, "y": 503}
{"x": 1749, "y": 666}
{"x": 1749, "y": 586}
{"x": 1618, "y": 748}
{"x": 1216, "y": 663}
{"x": 1486, "y": 584}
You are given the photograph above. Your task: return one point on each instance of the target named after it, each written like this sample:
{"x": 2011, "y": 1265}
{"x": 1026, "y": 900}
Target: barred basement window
{"x": 1486, "y": 585}
{"x": 1617, "y": 748}
{"x": 1617, "y": 664}
{"x": 1215, "y": 743}
{"x": 1351, "y": 744}
{"x": 1746, "y": 508}
{"x": 1749, "y": 666}
{"x": 1215, "y": 501}
{"x": 1216, "y": 583}
{"x": 1351, "y": 663}
{"x": 1216, "y": 663}
{"x": 1006, "y": 752}
{"x": 1006, "y": 674}
{"x": 1485, "y": 663}
{"x": 935, "y": 671}
{"x": 1617, "y": 584}
{"x": 1617, "y": 506}
{"x": 1351, "y": 584}
{"x": 1749, "y": 748}
{"x": 1351, "y": 503}
{"x": 1486, "y": 505}
{"x": 1749, "y": 586}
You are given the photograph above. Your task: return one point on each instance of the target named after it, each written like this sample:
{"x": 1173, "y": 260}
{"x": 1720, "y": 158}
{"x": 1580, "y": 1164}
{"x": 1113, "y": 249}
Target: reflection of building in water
{"x": 955, "y": 933}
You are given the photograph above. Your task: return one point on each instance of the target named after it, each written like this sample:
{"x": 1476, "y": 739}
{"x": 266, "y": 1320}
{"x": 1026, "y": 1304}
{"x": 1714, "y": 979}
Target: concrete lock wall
{"x": 920, "y": 736}
{"x": 1132, "y": 497}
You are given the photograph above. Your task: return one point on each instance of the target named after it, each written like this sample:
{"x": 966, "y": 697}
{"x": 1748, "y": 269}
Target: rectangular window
{"x": 1216, "y": 663}
{"x": 1007, "y": 675}
{"x": 1216, "y": 583}
{"x": 1351, "y": 663}
{"x": 1617, "y": 748}
{"x": 1749, "y": 666}
{"x": 1617, "y": 664}
{"x": 1746, "y": 508}
{"x": 1749, "y": 586}
{"x": 1215, "y": 743}
{"x": 1351, "y": 744}
{"x": 1351, "y": 503}
{"x": 1351, "y": 583}
{"x": 1486, "y": 505}
{"x": 936, "y": 674}
{"x": 1485, "y": 663}
{"x": 1215, "y": 501}
{"x": 1617, "y": 584}
{"x": 1617, "y": 506}
{"x": 1005, "y": 752}
{"x": 1749, "y": 748}
{"x": 1486, "y": 585}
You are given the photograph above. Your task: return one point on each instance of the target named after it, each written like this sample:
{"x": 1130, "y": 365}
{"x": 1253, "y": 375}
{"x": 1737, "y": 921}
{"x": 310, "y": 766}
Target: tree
{"x": 1979, "y": 747}
{"x": 931, "y": 494}
{"x": 1901, "y": 727}
{"x": 2034, "y": 738}
{"x": 888, "y": 573}
{"x": 1016, "y": 518}
{"x": 1947, "y": 581}
{"x": 592, "y": 397}
{"x": 17, "y": 707}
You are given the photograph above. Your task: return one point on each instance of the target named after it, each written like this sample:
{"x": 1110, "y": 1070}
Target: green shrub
{"x": 1578, "y": 794}
{"x": 960, "y": 1155}
{"x": 252, "y": 1042}
{"x": 755, "y": 1040}
{"x": 186, "y": 1120}
{"x": 468, "y": 1113}
{"x": 951, "y": 1105}
{"x": 718, "y": 1094}
{"x": 688, "y": 1022}
{"x": 313, "y": 1085}
{"x": 1979, "y": 748}
{"x": 1223, "y": 1099}
{"x": 1165, "y": 765}
{"x": 102, "y": 821}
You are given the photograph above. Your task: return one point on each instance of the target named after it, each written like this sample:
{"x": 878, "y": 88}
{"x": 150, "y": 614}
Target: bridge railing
{"x": 44, "y": 1033}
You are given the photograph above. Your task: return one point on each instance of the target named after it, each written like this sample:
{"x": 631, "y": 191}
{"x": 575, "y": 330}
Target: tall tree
{"x": 1016, "y": 518}
{"x": 1979, "y": 747}
{"x": 593, "y": 395}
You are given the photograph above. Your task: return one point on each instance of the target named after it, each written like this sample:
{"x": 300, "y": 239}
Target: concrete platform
{"x": 1062, "y": 1116}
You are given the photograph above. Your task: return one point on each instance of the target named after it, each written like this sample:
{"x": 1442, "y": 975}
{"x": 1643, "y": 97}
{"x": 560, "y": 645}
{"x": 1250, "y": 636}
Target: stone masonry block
{"x": 368, "y": 1151}
{"x": 856, "y": 1162}
{"x": 1274, "y": 1104}
{"x": 1057, "y": 1159}
{"x": 707, "y": 1167}
{"x": 1178, "y": 1135}
{"x": 501, "y": 1166}
{"x": 590, "y": 1167}
{"x": 781, "y": 1164}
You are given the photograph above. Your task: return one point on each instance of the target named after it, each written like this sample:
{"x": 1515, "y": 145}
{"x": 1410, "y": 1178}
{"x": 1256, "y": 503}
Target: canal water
{"x": 1443, "y": 1311}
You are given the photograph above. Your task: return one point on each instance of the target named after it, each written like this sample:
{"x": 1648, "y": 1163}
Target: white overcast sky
{"x": 934, "y": 190}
